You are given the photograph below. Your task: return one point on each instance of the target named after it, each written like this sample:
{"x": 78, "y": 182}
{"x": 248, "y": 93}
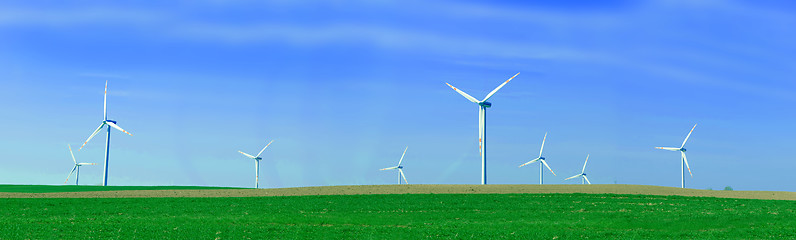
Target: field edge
{"x": 413, "y": 189}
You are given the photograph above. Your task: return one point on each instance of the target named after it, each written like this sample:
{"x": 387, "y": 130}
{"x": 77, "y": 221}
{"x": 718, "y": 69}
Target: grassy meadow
{"x": 400, "y": 216}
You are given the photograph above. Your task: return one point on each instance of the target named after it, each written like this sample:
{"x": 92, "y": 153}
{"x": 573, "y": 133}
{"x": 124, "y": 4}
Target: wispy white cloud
{"x": 69, "y": 17}
{"x": 384, "y": 37}
{"x": 184, "y": 27}
{"x": 103, "y": 75}
{"x": 705, "y": 78}
{"x": 540, "y": 33}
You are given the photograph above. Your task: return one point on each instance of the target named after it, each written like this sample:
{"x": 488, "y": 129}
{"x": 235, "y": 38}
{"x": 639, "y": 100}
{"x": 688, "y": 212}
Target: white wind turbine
{"x": 111, "y": 124}
{"x": 543, "y": 162}
{"x": 482, "y": 106}
{"x": 399, "y": 167}
{"x": 683, "y": 159}
{"x": 257, "y": 164}
{"x": 77, "y": 167}
{"x": 582, "y": 173}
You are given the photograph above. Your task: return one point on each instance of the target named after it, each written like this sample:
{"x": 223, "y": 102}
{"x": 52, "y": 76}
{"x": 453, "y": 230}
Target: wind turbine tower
{"x": 582, "y": 174}
{"x": 683, "y": 159}
{"x": 110, "y": 124}
{"x": 76, "y": 167}
{"x": 482, "y": 106}
{"x": 257, "y": 164}
{"x": 541, "y": 161}
{"x": 399, "y": 167}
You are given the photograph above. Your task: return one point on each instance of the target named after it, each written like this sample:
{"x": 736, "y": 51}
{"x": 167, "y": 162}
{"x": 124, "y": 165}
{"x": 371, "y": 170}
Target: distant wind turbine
{"x": 257, "y": 164}
{"x": 543, "y": 162}
{"x": 582, "y": 174}
{"x": 111, "y": 124}
{"x": 399, "y": 167}
{"x": 77, "y": 167}
{"x": 683, "y": 159}
{"x": 482, "y": 106}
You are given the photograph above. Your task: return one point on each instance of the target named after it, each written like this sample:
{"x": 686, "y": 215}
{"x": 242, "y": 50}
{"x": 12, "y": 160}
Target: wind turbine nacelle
{"x": 583, "y": 174}
{"x": 400, "y": 167}
{"x": 541, "y": 158}
{"x": 114, "y": 122}
{"x": 682, "y": 149}
{"x": 486, "y": 104}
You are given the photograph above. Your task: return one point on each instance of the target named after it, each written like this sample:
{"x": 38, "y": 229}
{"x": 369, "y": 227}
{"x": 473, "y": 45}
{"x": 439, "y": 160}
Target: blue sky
{"x": 343, "y": 86}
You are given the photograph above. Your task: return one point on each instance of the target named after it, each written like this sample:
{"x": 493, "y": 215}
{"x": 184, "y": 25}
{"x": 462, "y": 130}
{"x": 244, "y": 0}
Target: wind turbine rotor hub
{"x": 485, "y": 104}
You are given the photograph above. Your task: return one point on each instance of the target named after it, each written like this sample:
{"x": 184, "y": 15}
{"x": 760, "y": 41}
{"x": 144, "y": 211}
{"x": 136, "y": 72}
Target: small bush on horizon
{"x": 727, "y": 188}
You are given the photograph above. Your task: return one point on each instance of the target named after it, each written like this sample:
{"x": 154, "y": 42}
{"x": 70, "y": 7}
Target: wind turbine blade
{"x": 668, "y": 148}
{"x": 105, "y": 102}
{"x": 686, "y": 164}
{"x": 498, "y": 88}
{"x": 572, "y": 177}
{"x": 587, "y": 179}
{"x": 248, "y": 155}
{"x": 529, "y": 162}
{"x": 266, "y": 146}
{"x": 92, "y": 135}
{"x": 471, "y": 98}
{"x": 402, "y": 156}
{"x": 70, "y": 173}
{"x": 70, "y": 153}
{"x": 543, "y": 139}
{"x": 584, "y": 164}
{"x": 402, "y": 175}
{"x": 686, "y": 137}
{"x": 389, "y": 168}
{"x": 118, "y": 128}
{"x": 548, "y": 167}
{"x": 85, "y": 163}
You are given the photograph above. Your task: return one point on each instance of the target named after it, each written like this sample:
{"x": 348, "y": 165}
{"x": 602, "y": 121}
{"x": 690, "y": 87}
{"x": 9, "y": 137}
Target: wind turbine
{"x": 399, "y": 167}
{"x": 482, "y": 106}
{"x": 77, "y": 167}
{"x": 111, "y": 124}
{"x": 257, "y": 164}
{"x": 683, "y": 159}
{"x": 582, "y": 173}
{"x": 543, "y": 162}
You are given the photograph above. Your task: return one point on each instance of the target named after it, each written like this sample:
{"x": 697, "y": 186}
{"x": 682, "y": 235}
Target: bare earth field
{"x": 415, "y": 189}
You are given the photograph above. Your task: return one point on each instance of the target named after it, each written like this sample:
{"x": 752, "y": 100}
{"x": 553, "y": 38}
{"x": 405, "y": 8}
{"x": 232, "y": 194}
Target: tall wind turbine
{"x": 399, "y": 167}
{"x": 582, "y": 174}
{"x": 482, "y": 106}
{"x": 683, "y": 159}
{"x": 542, "y": 162}
{"x": 111, "y": 124}
{"x": 257, "y": 164}
{"x": 77, "y": 167}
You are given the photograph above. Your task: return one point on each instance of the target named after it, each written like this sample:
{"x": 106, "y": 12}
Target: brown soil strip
{"x": 416, "y": 189}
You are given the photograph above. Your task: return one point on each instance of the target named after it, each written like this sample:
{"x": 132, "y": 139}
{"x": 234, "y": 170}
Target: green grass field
{"x": 404, "y": 216}
{"x": 74, "y": 188}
